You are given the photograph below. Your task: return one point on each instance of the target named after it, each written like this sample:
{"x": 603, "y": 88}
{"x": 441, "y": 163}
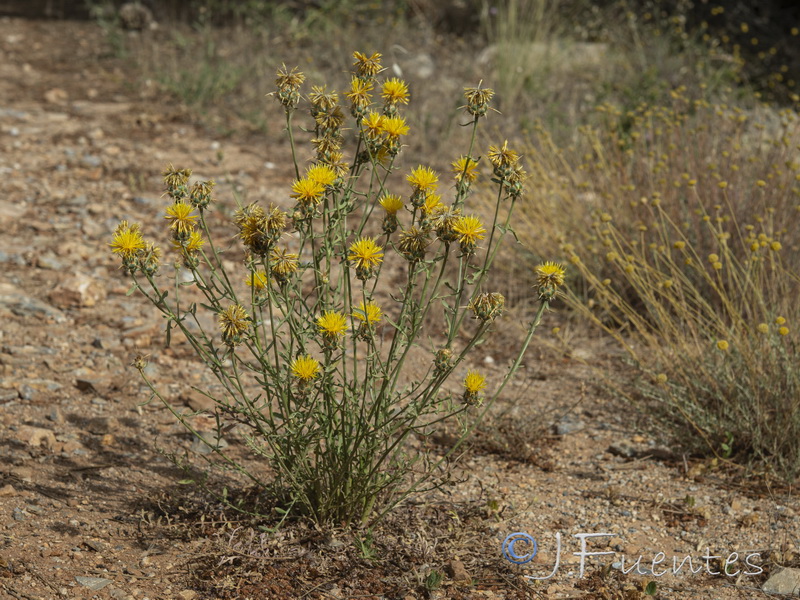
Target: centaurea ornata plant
{"x": 313, "y": 344}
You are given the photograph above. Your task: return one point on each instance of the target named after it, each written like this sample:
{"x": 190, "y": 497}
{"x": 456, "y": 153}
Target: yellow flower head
{"x": 258, "y": 280}
{"x": 502, "y": 157}
{"x": 367, "y": 66}
{"x": 783, "y": 331}
{"x": 550, "y": 273}
{"x": 200, "y": 194}
{"x": 391, "y": 203}
{"x": 366, "y": 255}
{"x": 307, "y": 192}
{"x": 394, "y": 127}
{"x": 779, "y": 320}
{"x": 465, "y": 169}
{"x": 413, "y": 243}
{"x": 474, "y": 383}
{"x": 305, "y": 368}
{"x": 127, "y": 240}
{"x": 192, "y": 245}
{"x": 423, "y": 179}
{"x": 470, "y": 230}
{"x": 321, "y": 174}
{"x": 549, "y": 277}
{"x": 478, "y": 100}
{"x": 289, "y": 79}
{"x": 432, "y": 203}
{"x": 395, "y": 91}
{"x": 488, "y": 306}
{"x": 321, "y": 99}
{"x": 288, "y": 83}
{"x": 181, "y": 219}
{"x": 373, "y": 125}
{"x": 233, "y": 322}
{"x": 369, "y": 313}
{"x": 332, "y": 324}
{"x": 176, "y": 181}
{"x": 763, "y": 328}
{"x": 283, "y": 264}
{"x": 360, "y": 96}
{"x": 722, "y": 345}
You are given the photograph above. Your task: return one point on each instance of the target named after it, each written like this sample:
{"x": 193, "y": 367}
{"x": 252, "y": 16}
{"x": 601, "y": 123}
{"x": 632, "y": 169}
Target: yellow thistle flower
{"x": 373, "y": 125}
{"x": 305, "y": 368}
{"x": 423, "y": 179}
{"x": 763, "y": 328}
{"x": 327, "y": 145}
{"x": 779, "y": 320}
{"x": 465, "y": 168}
{"x": 394, "y": 127}
{"x": 307, "y": 192}
{"x": 257, "y": 280}
{"x": 288, "y": 83}
{"x": 502, "y": 157}
{"x": 181, "y": 219}
{"x": 722, "y": 345}
{"x": 478, "y": 100}
{"x": 413, "y": 243}
{"x": 330, "y": 121}
{"x": 360, "y": 95}
{"x": 488, "y": 306}
{"x": 200, "y": 194}
{"x": 474, "y": 383}
{"x": 321, "y": 174}
{"x": 369, "y": 313}
{"x": 470, "y": 230}
{"x": 289, "y": 79}
{"x": 284, "y": 263}
{"x": 395, "y": 91}
{"x": 322, "y": 99}
{"x": 233, "y": 322}
{"x": 176, "y": 180}
{"x": 367, "y": 66}
{"x": 332, "y": 324}
{"x": 549, "y": 277}
{"x": 432, "y": 203}
{"x": 127, "y": 240}
{"x": 783, "y": 331}
{"x": 192, "y": 244}
{"x": 391, "y": 203}
{"x": 366, "y": 255}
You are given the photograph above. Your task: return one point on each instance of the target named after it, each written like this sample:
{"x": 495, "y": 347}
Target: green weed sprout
{"x": 312, "y": 349}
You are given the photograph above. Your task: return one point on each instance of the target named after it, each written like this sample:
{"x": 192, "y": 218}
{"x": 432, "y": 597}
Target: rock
{"x": 568, "y": 425}
{"x": 36, "y": 436}
{"x": 188, "y": 594}
{"x": 200, "y": 447}
{"x": 785, "y": 581}
{"x": 56, "y": 96}
{"x": 103, "y": 425}
{"x": 56, "y": 416}
{"x": 196, "y": 401}
{"x": 78, "y": 291}
{"x": 18, "y": 514}
{"x": 622, "y": 449}
{"x": 93, "y": 583}
{"x": 22, "y": 305}
{"x": 458, "y": 572}
{"x": 7, "y": 490}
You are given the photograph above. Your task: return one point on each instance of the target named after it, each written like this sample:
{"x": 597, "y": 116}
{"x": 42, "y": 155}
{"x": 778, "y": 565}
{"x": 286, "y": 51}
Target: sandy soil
{"x": 89, "y": 504}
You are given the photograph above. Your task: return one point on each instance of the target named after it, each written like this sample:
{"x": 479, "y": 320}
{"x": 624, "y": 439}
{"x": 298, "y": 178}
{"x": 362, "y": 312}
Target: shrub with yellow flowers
{"x": 312, "y": 344}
